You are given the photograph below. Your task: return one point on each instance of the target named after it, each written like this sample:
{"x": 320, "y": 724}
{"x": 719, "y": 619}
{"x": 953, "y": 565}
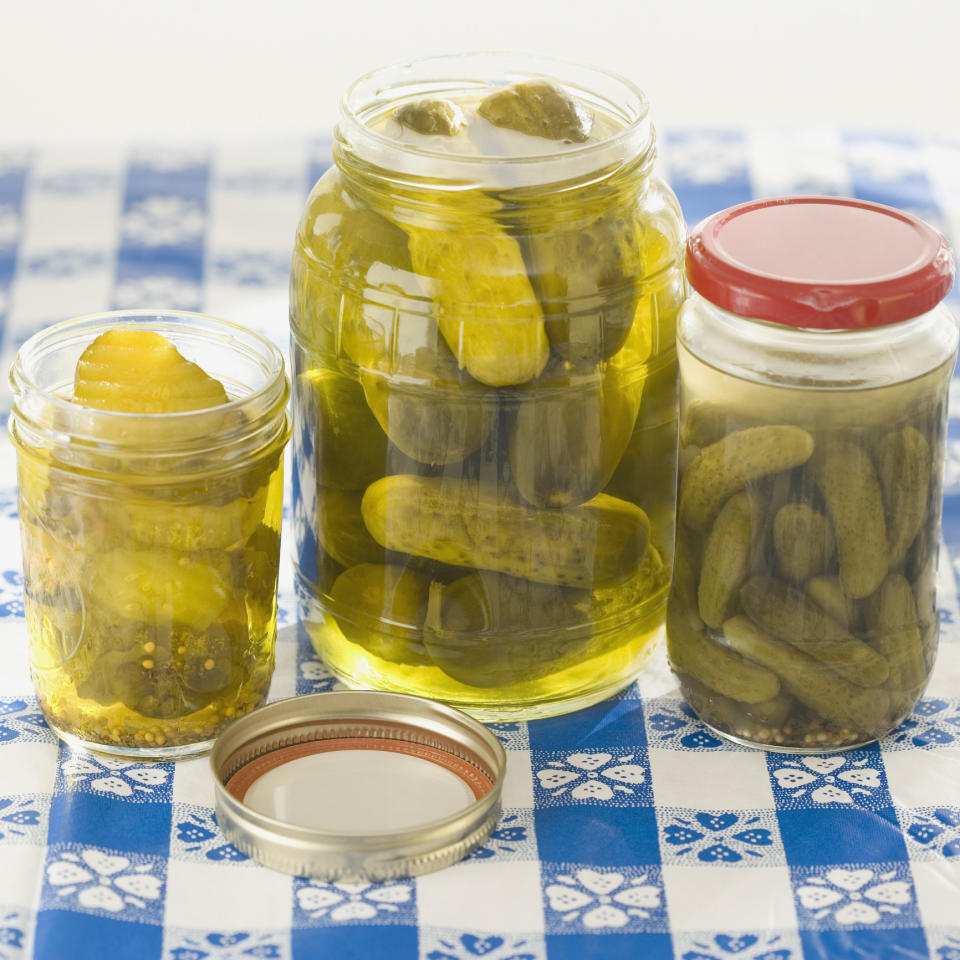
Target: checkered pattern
{"x": 629, "y": 830}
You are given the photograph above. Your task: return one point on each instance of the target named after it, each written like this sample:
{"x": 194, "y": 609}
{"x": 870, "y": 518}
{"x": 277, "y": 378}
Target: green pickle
{"x": 486, "y": 415}
{"x": 151, "y": 609}
{"x": 800, "y": 550}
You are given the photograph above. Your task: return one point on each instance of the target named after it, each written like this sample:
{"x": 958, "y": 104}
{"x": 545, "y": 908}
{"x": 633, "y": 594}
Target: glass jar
{"x": 483, "y": 327}
{"x": 815, "y": 359}
{"x": 150, "y": 540}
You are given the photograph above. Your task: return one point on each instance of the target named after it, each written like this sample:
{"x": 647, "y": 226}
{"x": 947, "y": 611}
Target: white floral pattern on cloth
{"x": 161, "y": 221}
{"x": 879, "y": 895}
{"x": 13, "y": 933}
{"x": 314, "y": 677}
{"x": 617, "y": 779}
{"x": 335, "y": 903}
{"x": 23, "y": 818}
{"x": 883, "y": 159}
{"x": 65, "y": 263}
{"x": 744, "y": 837}
{"x": 216, "y": 945}
{"x": 251, "y": 269}
{"x": 465, "y": 946}
{"x": 706, "y": 157}
{"x": 127, "y": 779}
{"x": 75, "y": 183}
{"x": 932, "y": 832}
{"x": 104, "y": 882}
{"x": 850, "y": 779}
{"x": 197, "y": 836}
{"x": 148, "y": 290}
{"x": 752, "y": 945}
{"x": 11, "y": 593}
{"x": 673, "y": 724}
{"x": 512, "y": 840}
{"x": 935, "y": 722}
{"x": 22, "y": 722}
{"x": 943, "y": 945}
{"x": 598, "y": 899}
{"x": 9, "y": 226}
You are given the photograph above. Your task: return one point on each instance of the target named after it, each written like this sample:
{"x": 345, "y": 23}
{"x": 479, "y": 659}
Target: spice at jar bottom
{"x": 802, "y": 614}
{"x": 150, "y": 500}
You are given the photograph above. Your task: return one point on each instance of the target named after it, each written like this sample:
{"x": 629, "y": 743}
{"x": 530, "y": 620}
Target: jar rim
{"x": 635, "y": 138}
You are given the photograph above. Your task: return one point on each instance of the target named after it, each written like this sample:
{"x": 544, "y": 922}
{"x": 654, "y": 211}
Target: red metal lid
{"x": 826, "y": 263}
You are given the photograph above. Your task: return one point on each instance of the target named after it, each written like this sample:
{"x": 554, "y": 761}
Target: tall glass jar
{"x": 150, "y": 540}
{"x": 815, "y": 359}
{"x": 483, "y": 303}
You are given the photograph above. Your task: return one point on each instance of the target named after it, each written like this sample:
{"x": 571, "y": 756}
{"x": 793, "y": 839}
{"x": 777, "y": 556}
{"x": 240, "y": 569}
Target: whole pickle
{"x": 803, "y": 539}
{"x": 382, "y": 608}
{"x": 827, "y": 592}
{"x": 349, "y": 448}
{"x": 727, "y": 466}
{"x": 904, "y": 468}
{"x": 646, "y": 584}
{"x": 568, "y": 434}
{"x": 791, "y": 616}
{"x": 691, "y": 652}
{"x": 599, "y": 543}
{"x": 850, "y": 488}
{"x": 431, "y": 115}
{"x": 825, "y": 692}
{"x": 341, "y": 530}
{"x": 489, "y": 630}
{"x": 894, "y": 630}
{"x": 538, "y": 108}
{"x": 726, "y": 559}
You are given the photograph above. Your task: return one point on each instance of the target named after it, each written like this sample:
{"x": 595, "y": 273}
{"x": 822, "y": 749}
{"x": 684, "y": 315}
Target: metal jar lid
{"x": 357, "y": 785}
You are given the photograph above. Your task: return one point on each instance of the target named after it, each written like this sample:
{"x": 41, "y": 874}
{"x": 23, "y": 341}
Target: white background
{"x": 207, "y": 70}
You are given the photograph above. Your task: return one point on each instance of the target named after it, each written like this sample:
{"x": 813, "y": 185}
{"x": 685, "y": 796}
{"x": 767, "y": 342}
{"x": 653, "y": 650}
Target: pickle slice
{"x": 138, "y": 371}
{"x": 538, "y": 108}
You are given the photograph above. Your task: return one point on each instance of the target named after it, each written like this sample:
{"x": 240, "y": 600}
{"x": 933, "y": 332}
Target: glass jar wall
{"x": 150, "y": 539}
{"x": 483, "y": 304}
{"x": 802, "y": 614}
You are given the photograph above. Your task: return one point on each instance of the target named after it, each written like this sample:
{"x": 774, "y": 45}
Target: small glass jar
{"x": 815, "y": 359}
{"x": 483, "y": 328}
{"x": 150, "y": 541}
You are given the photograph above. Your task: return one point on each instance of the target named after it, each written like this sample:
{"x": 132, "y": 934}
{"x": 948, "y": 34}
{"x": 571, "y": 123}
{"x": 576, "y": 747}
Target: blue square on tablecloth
{"x": 595, "y": 946}
{"x": 934, "y": 723}
{"x": 349, "y": 942}
{"x": 80, "y": 936}
{"x": 597, "y": 834}
{"x": 905, "y": 944}
{"x": 106, "y": 821}
{"x": 743, "y": 838}
{"x": 613, "y": 723}
{"x": 22, "y": 722}
{"x": 841, "y": 835}
{"x": 312, "y": 673}
{"x": 836, "y": 781}
{"x": 672, "y": 725}
{"x": 615, "y": 777}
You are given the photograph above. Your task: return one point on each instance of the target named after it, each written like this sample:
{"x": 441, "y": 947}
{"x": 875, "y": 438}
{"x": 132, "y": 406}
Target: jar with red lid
{"x": 815, "y": 357}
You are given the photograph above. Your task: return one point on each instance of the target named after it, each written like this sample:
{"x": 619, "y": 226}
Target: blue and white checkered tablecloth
{"x": 706, "y": 851}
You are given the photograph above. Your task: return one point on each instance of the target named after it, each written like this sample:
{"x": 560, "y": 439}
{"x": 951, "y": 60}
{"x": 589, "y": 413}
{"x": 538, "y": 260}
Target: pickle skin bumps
{"x": 431, "y": 116}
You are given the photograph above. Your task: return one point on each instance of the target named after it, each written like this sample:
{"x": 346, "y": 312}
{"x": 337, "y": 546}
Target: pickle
{"x": 726, "y": 559}
{"x": 814, "y": 685}
{"x": 538, "y": 108}
{"x": 348, "y": 448}
{"x": 691, "y": 652}
{"x": 803, "y": 539}
{"x": 568, "y": 435}
{"x": 485, "y": 307}
{"x": 188, "y": 526}
{"x": 649, "y": 581}
{"x": 341, "y": 530}
{"x": 850, "y": 488}
{"x": 733, "y": 715}
{"x": 894, "y": 630}
{"x": 727, "y": 466}
{"x": 904, "y": 468}
{"x": 790, "y": 615}
{"x": 382, "y": 608}
{"x": 431, "y": 115}
{"x": 156, "y": 586}
{"x": 829, "y": 595}
{"x": 436, "y": 423}
{"x": 599, "y": 543}
{"x": 489, "y": 630}
{"x": 129, "y": 370}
